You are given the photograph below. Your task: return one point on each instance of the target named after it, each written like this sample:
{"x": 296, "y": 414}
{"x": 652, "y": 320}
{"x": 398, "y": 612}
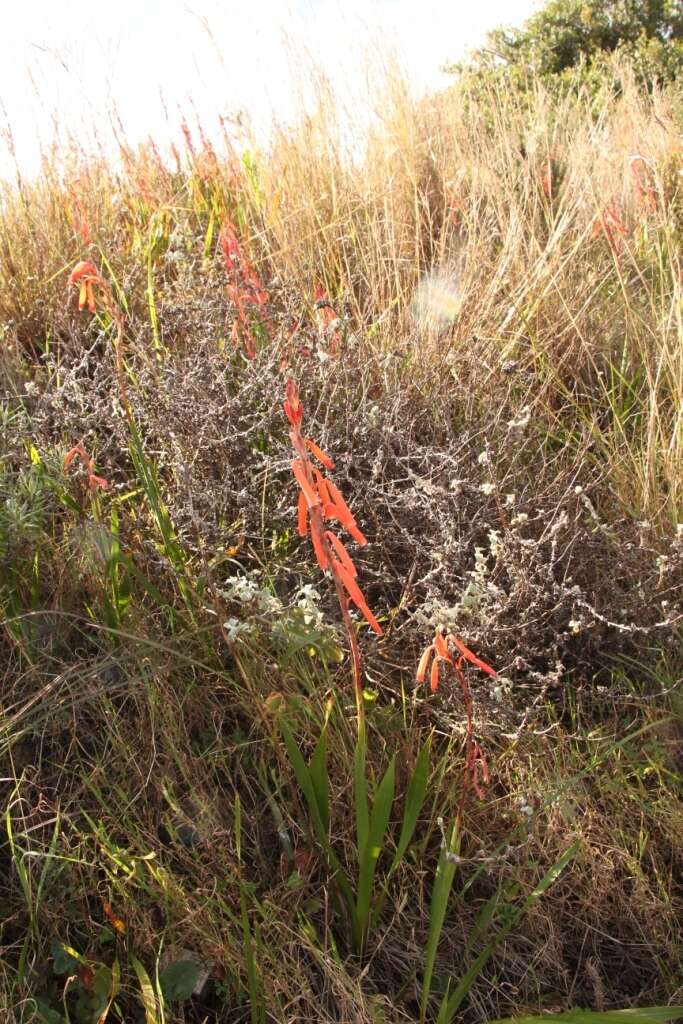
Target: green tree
{"x": 568, "y": 33}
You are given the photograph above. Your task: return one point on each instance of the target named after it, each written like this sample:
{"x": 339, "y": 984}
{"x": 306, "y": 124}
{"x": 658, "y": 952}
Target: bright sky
{"x": 69, "y": 62}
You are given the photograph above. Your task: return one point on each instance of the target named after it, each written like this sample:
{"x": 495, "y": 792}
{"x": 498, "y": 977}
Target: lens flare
{"x": 437, "y": 300}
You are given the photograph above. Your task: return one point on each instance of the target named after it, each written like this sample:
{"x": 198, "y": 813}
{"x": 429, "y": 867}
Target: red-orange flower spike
{"x": 441, "y": 645}
{"x": 434, "y": 676}
{"x": 71, "y": 455}
{"x": 95, "y": 482}
{"x": 321, "y": 554}
{"x": 85, "y": 274}
{"x": 300, "y": 474}
{"x": 319, "y": 500}
{"x": 341, "y": 511}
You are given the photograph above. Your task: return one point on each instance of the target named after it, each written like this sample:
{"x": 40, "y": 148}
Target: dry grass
{"x": 498, "y": 377}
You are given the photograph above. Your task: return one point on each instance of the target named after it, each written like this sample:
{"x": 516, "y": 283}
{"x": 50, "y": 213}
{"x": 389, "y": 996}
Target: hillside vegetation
{"x": 225, "y": 796}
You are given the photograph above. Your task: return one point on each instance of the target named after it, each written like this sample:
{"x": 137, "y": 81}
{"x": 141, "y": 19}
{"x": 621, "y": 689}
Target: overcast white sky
{"x": 71, "y": 61}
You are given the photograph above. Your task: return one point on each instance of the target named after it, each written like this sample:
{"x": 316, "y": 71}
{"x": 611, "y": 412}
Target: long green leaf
{"x": 149, "y": 1001}
{"x": 415, "y": 797}
{"x": 369, "y": 854}
{"x": 360, "y": 793}
{"x": 443, "y": 884}
{"x": 303, "y": 777}
{"x": 320, "y": 780}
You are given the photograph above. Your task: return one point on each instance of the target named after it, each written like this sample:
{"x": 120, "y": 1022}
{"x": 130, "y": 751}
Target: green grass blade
{"x": 255, "y": 1001}
{"x": 303, "y": 777}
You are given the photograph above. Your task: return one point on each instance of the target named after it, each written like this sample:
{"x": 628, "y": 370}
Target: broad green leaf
{"x": 415, "y": 796}
{"x": 178, "y": 979}
{"x": 441, "y": 892}
{"x": 303, "y": 777}
{"x": 66, "y": 959}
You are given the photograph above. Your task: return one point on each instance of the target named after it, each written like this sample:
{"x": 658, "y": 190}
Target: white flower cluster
{"x": 234, "y": 628}
{"x": 264, "y": 609}
{"x": 479, "y": 592}
{"x": 432, "y": 614}
{"x": 374, "y": 415}
{"x": 246, "y": 590}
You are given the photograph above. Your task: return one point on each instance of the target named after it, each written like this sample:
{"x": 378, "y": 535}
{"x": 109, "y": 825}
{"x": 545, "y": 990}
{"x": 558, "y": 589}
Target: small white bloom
{"x": 519, "y": 519}
{"x": 522, "y": 421}
{"x": 233, "y": 627}
{"x": 575, "y": 625}
{"x": 578, "y": 489}
{"x": 510, "y": 499}
{"x": 484, "y": 459}
{"x": 487, "y": 488}
{"x": 494, "y": 543}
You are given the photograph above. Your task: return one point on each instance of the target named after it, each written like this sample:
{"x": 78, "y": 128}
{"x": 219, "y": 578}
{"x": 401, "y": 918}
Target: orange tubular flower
{"x": 323, "y": 459}
{"x": 85, "y": 274}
